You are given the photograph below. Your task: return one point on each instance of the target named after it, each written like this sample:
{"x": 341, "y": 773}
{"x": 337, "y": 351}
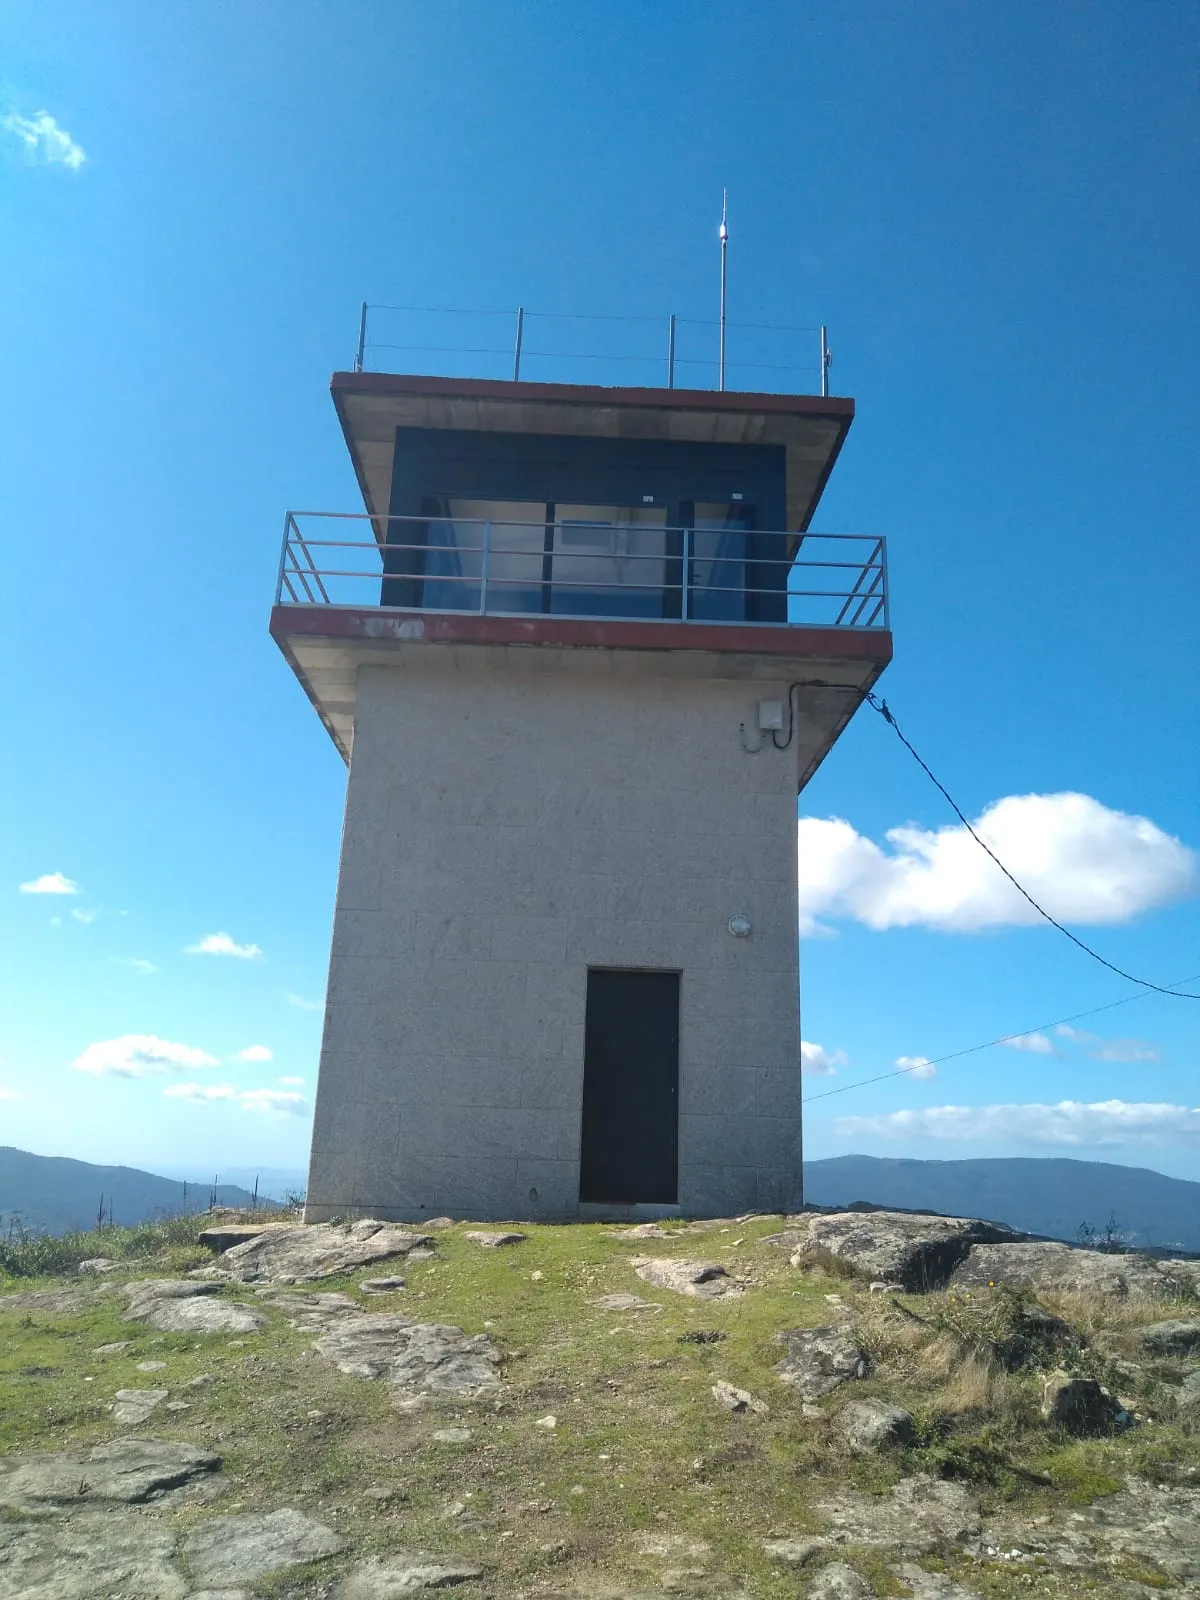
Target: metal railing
{"x": 586, "y": 569}
{"x": 574, "y": 346}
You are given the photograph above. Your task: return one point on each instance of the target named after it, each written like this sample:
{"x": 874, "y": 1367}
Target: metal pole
{"x": 826, "y": 358}
{"x": 671, "y": 354}
{"x": 887, "y": 597}
{"x": 483, "y": 574}
{"x": 724, "y": 246}
{"x": 517, "y": 351}
{"x": 684, "y": 604}
{"x": 288, "y": 523}
{"x": 362, "y": 337}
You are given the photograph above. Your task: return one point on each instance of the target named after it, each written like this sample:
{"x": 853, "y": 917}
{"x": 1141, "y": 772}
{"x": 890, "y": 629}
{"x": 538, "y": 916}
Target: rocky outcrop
{"x": 704, "y": 1280}
{"x": 920, "y": 1252}
{"x": 624, "y": 1302}
{"x": 916, "y": 1252}
{"x": 1151, "y": 1526}
{"x": 395, "y": 1575}
{"x": 875, "y": 1425}
{"x": 820, "y": 1360}
{"x": 124, "y": 1472}
{"x": 132, "y": 1406}
{"x": 1176, "y": 1338}
{"x": 931, "y": 1585}
{"x": 739, "y": 1401}
{"x": 114, "y": 1553}
{"x": 919, "y": 1516}
{"x": 442, "y": 1360}
{"x": 223, "y": 1551}
{"x": 223, "y": 1236}
{"x": 1061, "y": 1268}
{"x": 493, "y": 1241}
{"x": 303, "y": 1254}
{"x": 188, "y": 1306}
{"x": 1081, "y": 1405}
{"x": 837, "y": 1581}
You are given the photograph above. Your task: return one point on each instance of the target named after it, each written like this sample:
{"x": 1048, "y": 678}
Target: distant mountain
{"x": 1048, "y": 1196}
{"x": 275, "y": 1183}
{"x": 50, "y": 1194}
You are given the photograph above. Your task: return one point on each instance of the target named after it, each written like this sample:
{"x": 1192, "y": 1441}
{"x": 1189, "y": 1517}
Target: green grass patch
{"x": 639, "y": 1443}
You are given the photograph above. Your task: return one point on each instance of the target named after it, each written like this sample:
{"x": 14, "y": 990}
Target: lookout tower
{"x": 580, "y": 651}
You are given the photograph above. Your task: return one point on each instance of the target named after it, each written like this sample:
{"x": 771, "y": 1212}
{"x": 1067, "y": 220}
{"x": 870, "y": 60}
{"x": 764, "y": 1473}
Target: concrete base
{"x": 507, "y": 829}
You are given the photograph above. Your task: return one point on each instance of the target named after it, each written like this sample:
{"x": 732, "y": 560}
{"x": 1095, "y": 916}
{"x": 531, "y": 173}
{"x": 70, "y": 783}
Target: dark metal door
{"x": 630, "y": 1151}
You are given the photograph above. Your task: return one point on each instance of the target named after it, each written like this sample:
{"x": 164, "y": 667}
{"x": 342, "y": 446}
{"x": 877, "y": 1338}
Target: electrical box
{"x": 770, "y": 715}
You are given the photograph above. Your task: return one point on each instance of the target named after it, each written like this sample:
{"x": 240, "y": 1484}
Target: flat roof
{"x": 372, "y": 405}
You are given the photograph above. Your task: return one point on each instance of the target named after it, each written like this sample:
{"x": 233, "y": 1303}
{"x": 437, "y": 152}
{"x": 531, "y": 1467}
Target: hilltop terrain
{"x": 1058, "y": 1197}
{"x": 835, "y": 1406}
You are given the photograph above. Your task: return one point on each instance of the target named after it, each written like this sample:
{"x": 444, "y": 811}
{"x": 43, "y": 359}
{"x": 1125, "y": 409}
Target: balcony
{"x": 630, "y": 569}
{"x": 661, "y": 575}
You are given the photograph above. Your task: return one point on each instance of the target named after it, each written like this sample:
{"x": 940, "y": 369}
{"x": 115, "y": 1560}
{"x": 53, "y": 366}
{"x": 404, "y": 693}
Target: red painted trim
{"x": 431, "y": 627}
{"x": 390, "y": 383}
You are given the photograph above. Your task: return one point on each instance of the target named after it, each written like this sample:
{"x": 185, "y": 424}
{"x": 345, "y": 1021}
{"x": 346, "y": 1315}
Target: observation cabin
{"x": 580, "y": 651}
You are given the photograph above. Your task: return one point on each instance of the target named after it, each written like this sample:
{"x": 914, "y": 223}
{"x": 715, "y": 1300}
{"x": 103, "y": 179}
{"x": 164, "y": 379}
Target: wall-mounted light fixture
{"x": 740, "y": 925}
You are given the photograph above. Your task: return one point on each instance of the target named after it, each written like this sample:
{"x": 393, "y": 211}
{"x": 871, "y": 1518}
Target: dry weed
{"x": 981, "y": 1387}
{"x": 1094, "y": 1314}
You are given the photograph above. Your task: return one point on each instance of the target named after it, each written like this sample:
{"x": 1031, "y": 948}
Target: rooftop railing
{"x": 582, "y": 568}
{"x": 572, "y": 347}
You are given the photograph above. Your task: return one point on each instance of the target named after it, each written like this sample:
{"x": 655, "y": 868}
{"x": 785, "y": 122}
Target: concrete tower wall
{"x": 512, "y": 819}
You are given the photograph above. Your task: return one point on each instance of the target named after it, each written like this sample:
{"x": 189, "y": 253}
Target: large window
{"x": 577, "y": 560}
{"x": 566, "y": 560}
{"x": 608, "y": 561}
{"x": 719, "y": 549}
{"x": 513, "y": 532}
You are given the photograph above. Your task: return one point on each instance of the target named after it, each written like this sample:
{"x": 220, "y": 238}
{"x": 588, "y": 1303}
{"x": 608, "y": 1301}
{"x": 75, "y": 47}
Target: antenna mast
{"x": 724, "y": 247}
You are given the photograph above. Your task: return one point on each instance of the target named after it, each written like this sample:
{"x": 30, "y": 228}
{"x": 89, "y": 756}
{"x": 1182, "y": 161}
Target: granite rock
{"x": 408, "y": 1354}
{"x": 306, "y": 1253}
{"x": 820, "y": 1360}
{"x": 1060, "y": 1268}
{"x": 916, "y": 1252}
{"x": 253, "y": 1545}
{"x": 388, "y": 1577}
{"x": 704, "y": 1280}
{"x": 123, "y": 1472}
{"x": 1175, "y": 1338}
{"x": 875, "y": 1425}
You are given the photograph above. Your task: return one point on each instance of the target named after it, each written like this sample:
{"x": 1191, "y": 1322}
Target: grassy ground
{"x": 639, "y": 1444}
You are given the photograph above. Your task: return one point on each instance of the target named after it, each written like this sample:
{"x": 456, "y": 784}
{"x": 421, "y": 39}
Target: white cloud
{"x": 1082, "y": 861}
{"x": 140, "y": 1055}
{"x": 44, "y": 139}
{"x": 141, "y": 967}
{"x": 293, "y": 1081}
{"x": 301, "y": 1004}
{"x": 817, "y": 1062}
{"x": 85, "y": 914}
{"x": 916, "y": 1066}
{"x": 1070, "y": 1123}
{"x": 1033, "y": 1044}
{"x": 8, "y": 1094}
{"x": 284, "y": 1102}
{"x": 200, "y": 1091}
{"x": 1124, "y": 1050}
{"x": 220, "y": 944}
{"x": 254, "y": 1052}
{"x": 50, "y": 883}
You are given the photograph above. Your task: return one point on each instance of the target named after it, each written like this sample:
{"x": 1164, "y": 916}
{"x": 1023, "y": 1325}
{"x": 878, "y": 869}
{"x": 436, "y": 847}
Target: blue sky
{"x": 991, "y": 208}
